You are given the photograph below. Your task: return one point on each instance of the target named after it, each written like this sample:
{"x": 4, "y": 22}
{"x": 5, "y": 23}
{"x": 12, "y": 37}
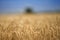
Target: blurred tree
{"x": 29, "y": 11}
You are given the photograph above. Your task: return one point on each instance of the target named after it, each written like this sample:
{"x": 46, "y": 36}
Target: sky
{"x": 20, "y": 5}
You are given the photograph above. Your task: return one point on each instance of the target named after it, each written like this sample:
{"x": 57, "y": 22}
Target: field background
{"x": 30, "y": 27}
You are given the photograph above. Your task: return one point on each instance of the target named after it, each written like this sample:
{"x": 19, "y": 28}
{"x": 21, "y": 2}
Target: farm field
{"x": 30, "y": 27}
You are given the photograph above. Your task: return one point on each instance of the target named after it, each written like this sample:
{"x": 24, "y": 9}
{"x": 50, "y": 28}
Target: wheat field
{"x": 30, "y": 27}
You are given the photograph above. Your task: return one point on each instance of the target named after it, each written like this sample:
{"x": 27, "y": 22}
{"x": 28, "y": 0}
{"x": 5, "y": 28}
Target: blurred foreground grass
{"x": 30, "y": 27}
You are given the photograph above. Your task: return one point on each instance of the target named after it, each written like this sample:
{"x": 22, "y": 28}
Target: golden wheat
{"x": 30, "y": 27}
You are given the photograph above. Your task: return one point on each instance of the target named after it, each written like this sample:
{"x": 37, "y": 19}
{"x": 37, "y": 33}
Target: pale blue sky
{"x": 20, "y": 5}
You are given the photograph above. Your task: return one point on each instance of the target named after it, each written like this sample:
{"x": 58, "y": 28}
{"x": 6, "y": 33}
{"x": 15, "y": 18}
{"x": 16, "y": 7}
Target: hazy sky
{"x": 20, "y": 5}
